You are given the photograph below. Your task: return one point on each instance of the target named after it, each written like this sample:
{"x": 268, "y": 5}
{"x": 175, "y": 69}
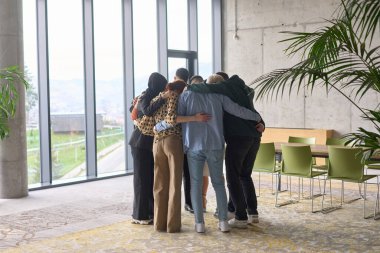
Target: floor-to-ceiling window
{"x": 178, "y": 35}
{"x": 66, "y": 80}
{"x": 80, "y": 58}
{"x": 109, "y": 86}
{"x": 31, "y": 103}
{"x": 177, "y": 14}
{"x": 204, "y": 15}
{"x": 144, "y": 42}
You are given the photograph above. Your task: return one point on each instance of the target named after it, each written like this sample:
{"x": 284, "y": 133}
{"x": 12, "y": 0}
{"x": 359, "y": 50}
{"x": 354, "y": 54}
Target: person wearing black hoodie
{"x": 141, "y": 147}
{"x": 243, "y": 140}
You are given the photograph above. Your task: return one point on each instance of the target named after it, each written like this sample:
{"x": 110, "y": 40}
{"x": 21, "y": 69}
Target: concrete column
{"x": 13, "y": 167}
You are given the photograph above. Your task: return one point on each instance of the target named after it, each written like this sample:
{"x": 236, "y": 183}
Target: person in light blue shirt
{"x": 205, "y": 142}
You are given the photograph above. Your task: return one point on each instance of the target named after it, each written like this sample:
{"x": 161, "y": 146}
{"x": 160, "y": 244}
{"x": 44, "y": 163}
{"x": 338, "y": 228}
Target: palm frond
{"x": 365, "y": 139}
{"x": 366, "y": 14}
{"x": 275, "y": 83}
{"x": 322, "y": 43}
{"x": 325, "y": 44}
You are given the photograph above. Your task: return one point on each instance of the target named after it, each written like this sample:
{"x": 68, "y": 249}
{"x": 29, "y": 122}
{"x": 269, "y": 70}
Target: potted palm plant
{"x": 10, "y": 77}
{"x": 338, "y": 56}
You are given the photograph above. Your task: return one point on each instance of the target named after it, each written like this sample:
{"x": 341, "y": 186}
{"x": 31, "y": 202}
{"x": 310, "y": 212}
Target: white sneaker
{"x": 223, "y": 226}
{"x": 253, "y": 218}
{"x": 142, "y": 222}
{"x": 199, "y": 227}
{"x": 234, "y": 223}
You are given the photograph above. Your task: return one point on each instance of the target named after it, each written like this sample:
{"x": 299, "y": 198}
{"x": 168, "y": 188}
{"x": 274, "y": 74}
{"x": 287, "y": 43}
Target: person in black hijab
{"x": 141, "y": 147}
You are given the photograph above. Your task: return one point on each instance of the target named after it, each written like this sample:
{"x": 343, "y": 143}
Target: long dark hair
{"x": 156, "y": 84}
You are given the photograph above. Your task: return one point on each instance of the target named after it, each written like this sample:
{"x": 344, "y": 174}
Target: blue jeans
{"x": 196, "y": 161}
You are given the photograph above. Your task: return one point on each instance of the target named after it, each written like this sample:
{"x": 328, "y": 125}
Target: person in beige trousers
{"x": 168, "y": 162}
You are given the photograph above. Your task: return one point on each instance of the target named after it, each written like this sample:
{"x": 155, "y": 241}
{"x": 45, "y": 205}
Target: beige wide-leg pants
{"x": 168, "y": 162}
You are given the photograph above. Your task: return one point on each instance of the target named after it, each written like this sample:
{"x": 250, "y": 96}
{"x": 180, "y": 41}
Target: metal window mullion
{"x": 128, "y": 76}
{"x": 217, "y": 35}
{"x": 193, "y": 31}
{"x": 89, "y": 77}
{"x": 162, "y": 36}
{"x": 43, "y": 92}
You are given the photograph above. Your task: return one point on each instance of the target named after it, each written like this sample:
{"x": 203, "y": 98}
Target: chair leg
{"x": 279, "y": 185}
{"x": 331, "y": 208}
{"x": 310, "y": 190}
{"x": 324, "y": 192}
{"x": 360, "y": 190}
{"x": 364, "y": 200}
{"x": 274, "y": 175}
{"x": 299, "y": 194}
{"x": 290, "y": 201}
{"x": 330, "y": 194}
{"x": 276, "y": 205}
{"x": 272, "y": 182}
{"x": 287, "y": 182}
{"x": 317, "y": 195}
{"x": 342, "y": 194}
{"x": 376, "y": 211}
{"x": 312, "y": 194}
{"x": 351, "y": 200}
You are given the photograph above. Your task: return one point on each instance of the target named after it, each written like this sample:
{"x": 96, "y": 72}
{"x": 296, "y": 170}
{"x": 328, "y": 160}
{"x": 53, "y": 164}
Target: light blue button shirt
{"x": 208, "y": 135}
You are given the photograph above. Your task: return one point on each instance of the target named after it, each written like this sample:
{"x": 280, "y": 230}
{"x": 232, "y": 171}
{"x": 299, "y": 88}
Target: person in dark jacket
{"x": 141, "y": 147}
{"x": 243, "y": 140}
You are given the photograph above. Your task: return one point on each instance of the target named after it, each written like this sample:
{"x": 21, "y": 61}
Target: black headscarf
{"x": 156, "y": 84}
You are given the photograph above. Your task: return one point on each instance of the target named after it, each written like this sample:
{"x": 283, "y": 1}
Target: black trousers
{"x": 143, "y": 165}
{"x": 240, "y": 156}
{"x": 186, "y": 182}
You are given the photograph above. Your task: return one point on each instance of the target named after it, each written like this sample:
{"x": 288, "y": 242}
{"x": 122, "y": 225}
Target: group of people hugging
{"x": 187, "y": 131}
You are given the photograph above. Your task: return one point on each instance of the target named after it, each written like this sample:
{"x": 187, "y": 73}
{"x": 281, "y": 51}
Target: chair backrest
{"x": 265, "y": 157}
{"x": 306, "y": 140}
{"x": 297, "y": 160}
{"x": 335, "y": 141}
{"x": 345, "y": 162}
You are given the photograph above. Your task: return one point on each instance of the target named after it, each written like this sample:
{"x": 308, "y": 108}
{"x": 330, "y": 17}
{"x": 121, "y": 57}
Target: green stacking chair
{"x": 309, "y": 141}
{"x": 305, "y": 140}
{"x": 330, "y": 142}
{"x": 345, "y": 164}
{"x": 297, "y": 162}
{"x": 266, "y": 162}
{"x": 336, "y": 142}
